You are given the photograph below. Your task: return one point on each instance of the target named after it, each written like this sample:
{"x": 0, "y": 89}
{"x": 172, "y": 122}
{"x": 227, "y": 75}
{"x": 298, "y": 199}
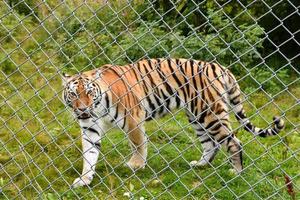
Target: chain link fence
{"x": 40, "y": 140}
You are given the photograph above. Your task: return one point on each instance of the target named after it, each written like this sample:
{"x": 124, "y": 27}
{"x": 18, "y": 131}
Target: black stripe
{"x": 220, "y": 111}
{"x": 114, "y": 71}
{"x": 176, "y": 78}
{"x": 206, "y": 140}
{"x": 185, "y": 84}
{"x": 200, "y": 128}
{"x": 279, "y": 126}
{"x": 207, "y": 89}
{"x": 124, "y": 120}
{"x": 107, "y": 103}
{"x": 134, "y": 72}
{"x": 229, "y": 139}
{"x": 202, "y": 90}
{"x": 213, "y": 156}
{"x": 196, "y": 110}
{"x": 152, "y": 106}
{"x": 262, "y": 133}
{"x": 166, "y": 99}
{"x": 240, "y": 115}
{"x": 184, "y": 77}
{"x": 249, "y": 127}
{"x": 150, "y": 64}
{"x": 143, "y": 79}
{"x": 212, "y": 123}
{"x": 213, "y": 67}
{"x": 116, "y": 114}
{"x": 90, "y": 129}
{"x": 216, "y": 127}
{"x": 235, "y": 100}
{"x": 216, "y": 79}
{"x": 232, "y": 90}
{"x": 213, "y": 85}
{"x": 154, "y": 87}
{"x": 193, "y": 75}
{"x": 207, "y": 66}
{"x": 164, "y": 78}
{"x": 96, "y": 144}
{"x": 202, "y": 116}
{"x": 121, "y": 68}
{"x": 222, "y": 138}
{"x": 178, "y": 100}
{"x": 192, "y": 103}
{"x": 147, "y": 117}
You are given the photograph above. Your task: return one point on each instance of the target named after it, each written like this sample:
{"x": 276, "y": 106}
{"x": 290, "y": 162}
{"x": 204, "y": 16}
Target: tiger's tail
{"x": 234, "y": 95}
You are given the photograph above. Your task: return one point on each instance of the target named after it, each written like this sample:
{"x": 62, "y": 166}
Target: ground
{"x": 40, "y": 150}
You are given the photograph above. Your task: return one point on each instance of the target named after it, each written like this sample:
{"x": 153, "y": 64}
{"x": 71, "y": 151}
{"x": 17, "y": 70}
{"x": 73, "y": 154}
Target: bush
{"x": 89, "y": 35}
{"x": 221, "y": 40}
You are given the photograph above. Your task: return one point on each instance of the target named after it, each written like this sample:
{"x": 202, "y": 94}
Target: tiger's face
{"x": 82, "y": 94}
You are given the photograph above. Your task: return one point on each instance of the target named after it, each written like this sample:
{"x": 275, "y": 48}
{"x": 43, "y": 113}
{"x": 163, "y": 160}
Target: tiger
{"x": 127, "y": 96}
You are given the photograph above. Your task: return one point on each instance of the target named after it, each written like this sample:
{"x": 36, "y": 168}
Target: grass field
{"x": 40, "y": 150}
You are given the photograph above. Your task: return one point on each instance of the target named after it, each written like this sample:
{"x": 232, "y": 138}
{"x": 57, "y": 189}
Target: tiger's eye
{"x": 90, "y": 92}
{"x": 73, "y": 95}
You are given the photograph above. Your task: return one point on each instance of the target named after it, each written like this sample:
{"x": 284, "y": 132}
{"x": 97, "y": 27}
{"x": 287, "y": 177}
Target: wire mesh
{"x": 40, "y": 140}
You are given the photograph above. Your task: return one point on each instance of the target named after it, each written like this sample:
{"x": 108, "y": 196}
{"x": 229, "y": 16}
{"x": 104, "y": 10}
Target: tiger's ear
{"x": 65, "y": 78}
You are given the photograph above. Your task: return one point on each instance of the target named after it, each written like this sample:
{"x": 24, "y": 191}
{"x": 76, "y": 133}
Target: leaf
{"x": 1, "y": 181}
{"x": 289, "y": 186}
{"x": 131, "y": 187}
{"x": 196, "y": 184}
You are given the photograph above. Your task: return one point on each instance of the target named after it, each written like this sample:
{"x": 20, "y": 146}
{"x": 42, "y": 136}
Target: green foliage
{"x": 269, "y": 81}
{"x": 22, "y": 7}
{"x": 220, "y": 40}
{"x": 7, "y": 66}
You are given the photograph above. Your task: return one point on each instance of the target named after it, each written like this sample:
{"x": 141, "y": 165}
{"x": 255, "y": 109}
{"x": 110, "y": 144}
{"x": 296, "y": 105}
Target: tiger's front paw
{"x": 81, "y": 181}
{"x": 136, "y": 162}
{"x": 196, "y": 163}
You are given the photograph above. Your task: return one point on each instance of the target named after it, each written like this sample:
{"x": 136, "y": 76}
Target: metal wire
{"x": 40, "y": 149}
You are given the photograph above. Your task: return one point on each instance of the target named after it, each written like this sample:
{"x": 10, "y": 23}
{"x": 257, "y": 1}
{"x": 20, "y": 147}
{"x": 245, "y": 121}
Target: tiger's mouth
{"x": 84, "y": 115}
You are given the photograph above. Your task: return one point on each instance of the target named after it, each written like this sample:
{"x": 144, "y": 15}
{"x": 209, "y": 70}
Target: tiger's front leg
{"x": 91, "y": 136}
{"x": 138, "y": 143}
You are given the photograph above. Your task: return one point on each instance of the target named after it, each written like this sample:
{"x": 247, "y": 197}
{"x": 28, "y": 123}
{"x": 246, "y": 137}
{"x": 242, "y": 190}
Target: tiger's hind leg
{"x": 210, "y": 148}
{"x": 222, "y": 134}
{"x": 234, "y": 147}
{"x": 218, "y": 132}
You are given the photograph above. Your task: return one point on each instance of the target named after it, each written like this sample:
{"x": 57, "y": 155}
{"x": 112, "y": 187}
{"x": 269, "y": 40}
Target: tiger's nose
{"x": 82, "y": 109}
{"x": 83, "y": 113}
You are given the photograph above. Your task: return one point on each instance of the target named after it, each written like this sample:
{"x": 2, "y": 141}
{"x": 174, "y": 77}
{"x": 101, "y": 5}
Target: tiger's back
{"x": 160, "y": 85}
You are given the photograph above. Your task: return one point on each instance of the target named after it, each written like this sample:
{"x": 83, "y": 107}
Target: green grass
{"x": 40, "y": 150}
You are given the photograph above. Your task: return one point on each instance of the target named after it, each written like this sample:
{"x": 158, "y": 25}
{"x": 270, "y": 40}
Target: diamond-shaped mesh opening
{"x": 42, "y": 143}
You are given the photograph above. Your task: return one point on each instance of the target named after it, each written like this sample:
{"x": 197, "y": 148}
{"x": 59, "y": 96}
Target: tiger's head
{"x": 82, "y": 93}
